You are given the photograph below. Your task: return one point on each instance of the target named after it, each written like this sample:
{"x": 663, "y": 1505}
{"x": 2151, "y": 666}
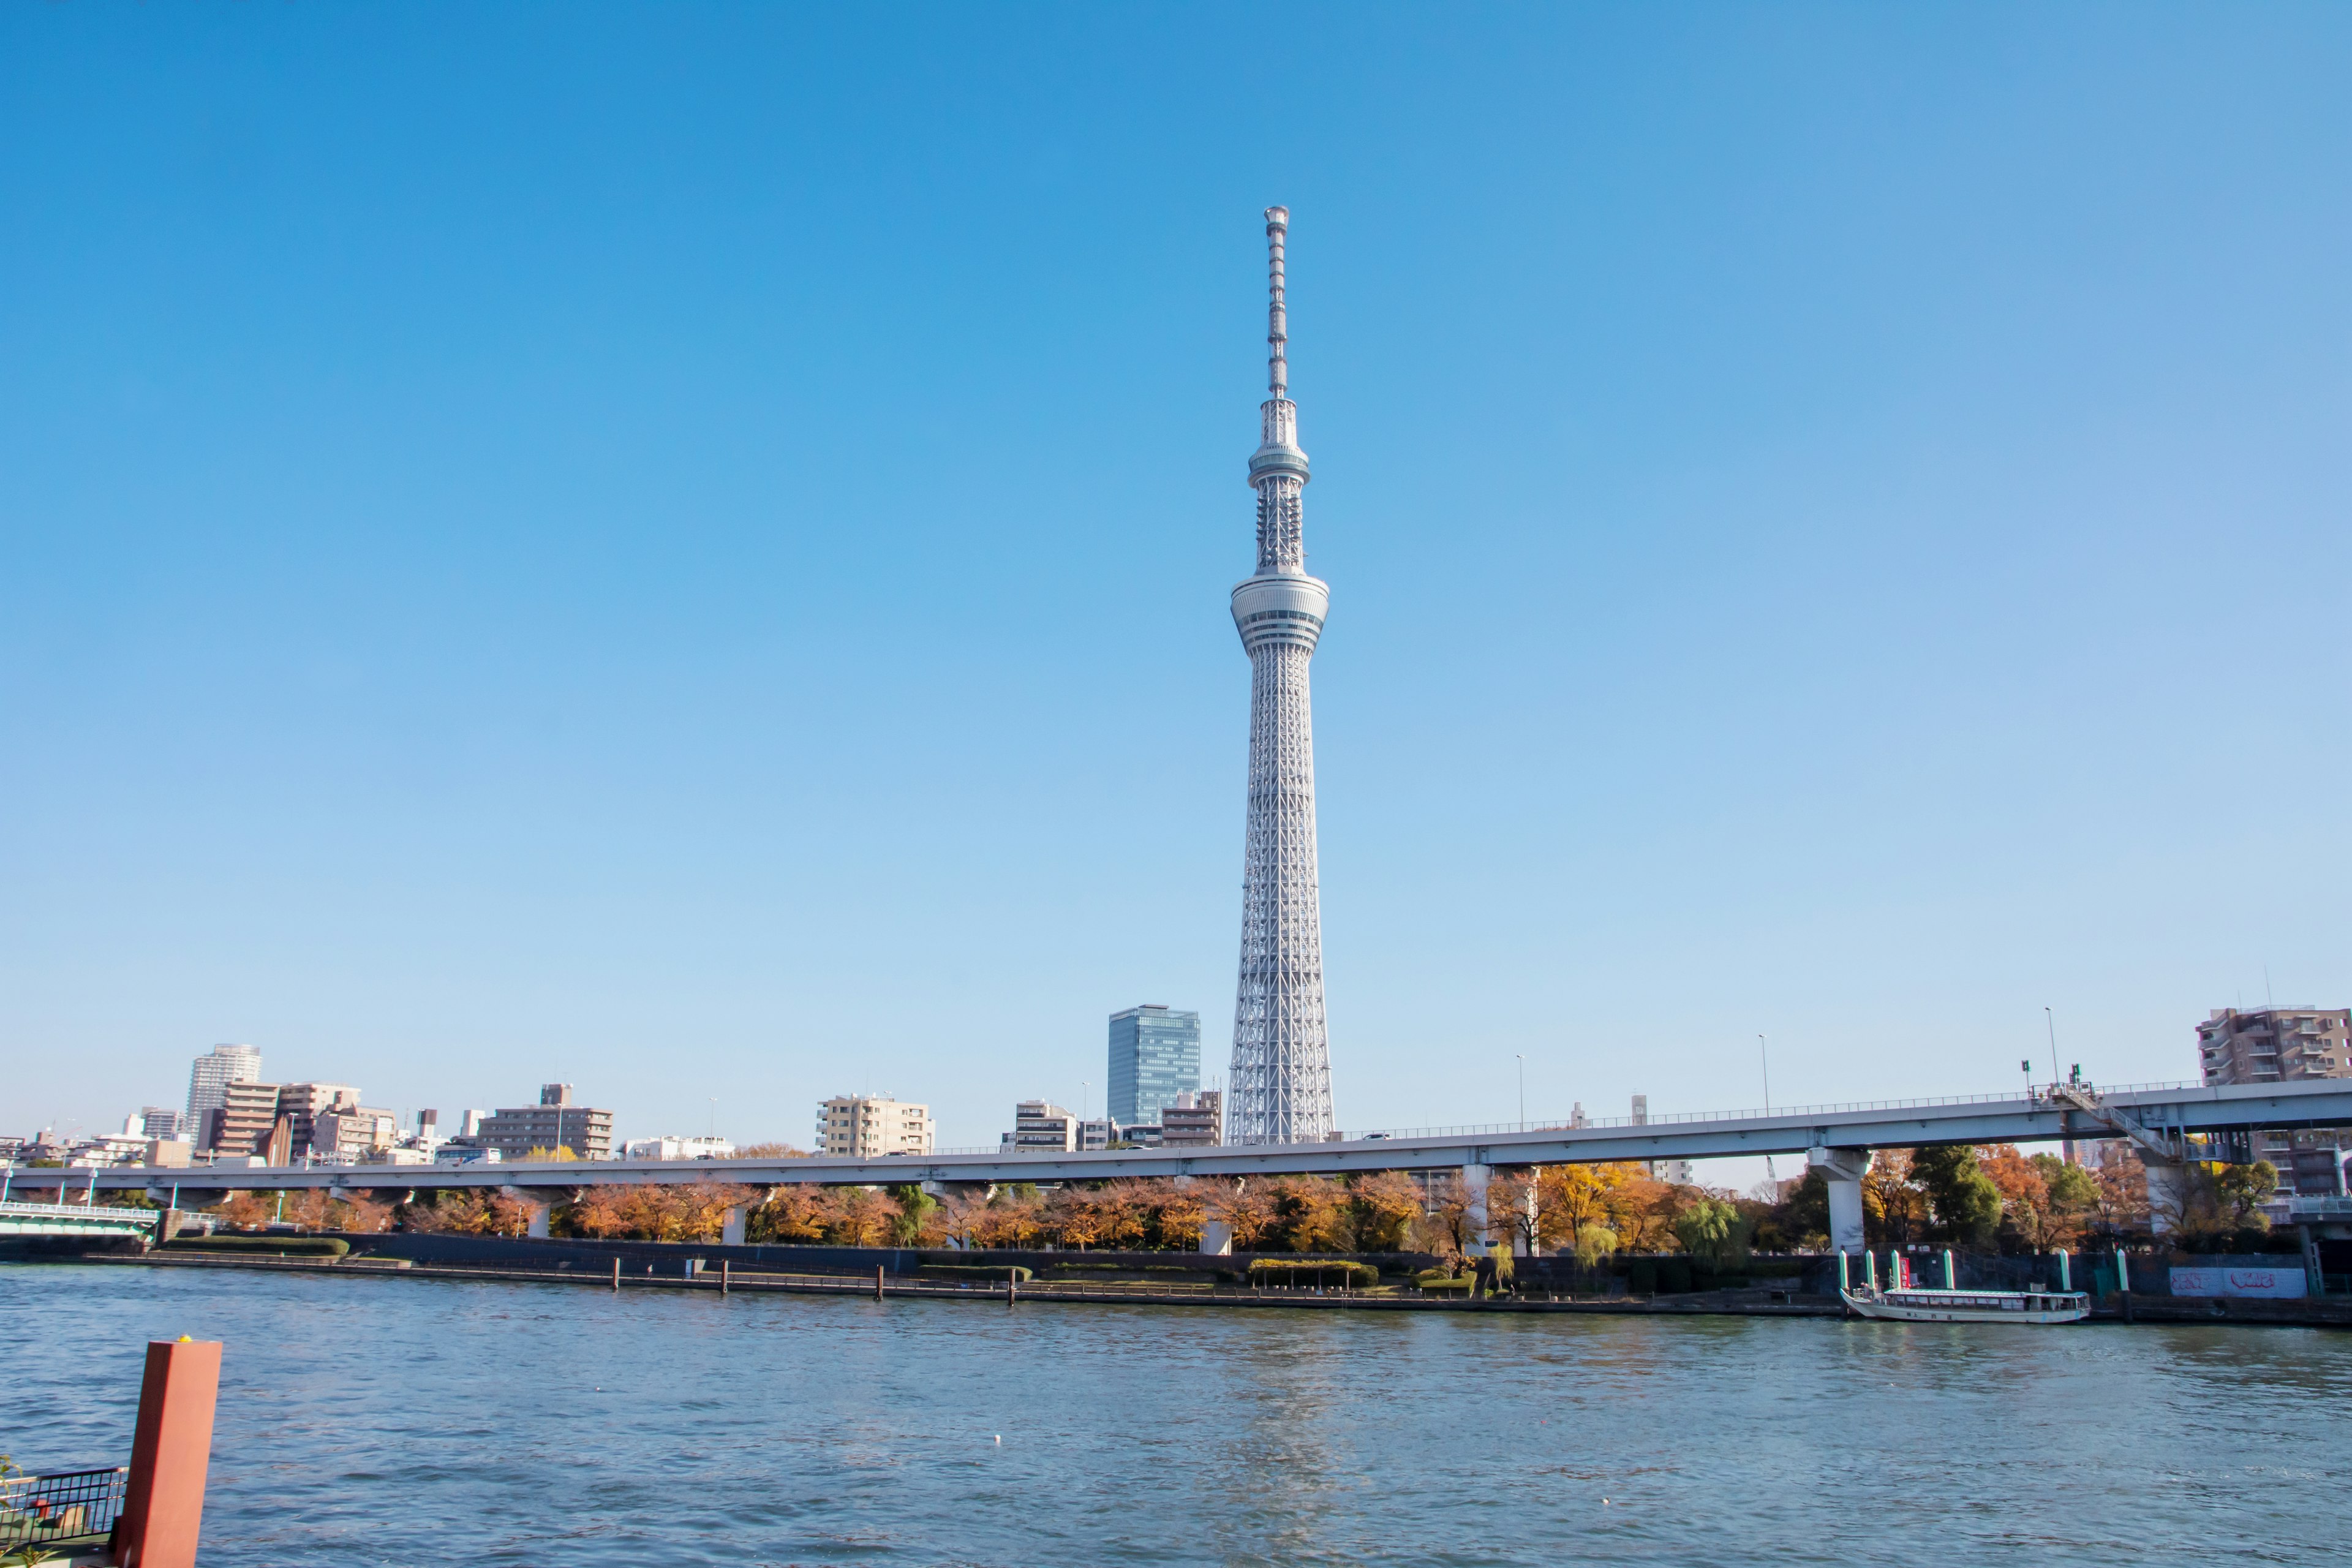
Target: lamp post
{"x": 1523, "y": 1089}
{"x": 1764, "y": 1055}
{"x": 2050, "y": 1019}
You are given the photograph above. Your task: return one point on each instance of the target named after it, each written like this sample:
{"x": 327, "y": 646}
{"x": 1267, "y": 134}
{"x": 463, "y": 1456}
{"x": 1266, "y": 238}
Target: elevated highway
{"x": 2162, "y": 1117}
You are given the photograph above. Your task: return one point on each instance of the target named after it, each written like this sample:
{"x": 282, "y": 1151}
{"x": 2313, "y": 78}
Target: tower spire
{"x": 1280, "y": 1088}
{"x": 1277, "y": 320}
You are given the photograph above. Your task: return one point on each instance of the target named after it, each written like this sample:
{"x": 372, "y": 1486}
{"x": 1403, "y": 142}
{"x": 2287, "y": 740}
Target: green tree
{"x": 2243, "y": 1190}
{"x": 1711, "y": 1229}
{"x": 1803, "y": 1216}
{"x": 2074, "y": 1198}
{"x": 1961, "y": 1199}
{"x": 914, "y": 1206}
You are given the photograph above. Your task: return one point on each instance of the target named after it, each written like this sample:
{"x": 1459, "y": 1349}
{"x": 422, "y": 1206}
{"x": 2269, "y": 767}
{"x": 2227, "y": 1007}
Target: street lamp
{"x": 1523, "y": 1089}
{"x": 2047, "y": 1018}
{"x": 1765, "y": 1056}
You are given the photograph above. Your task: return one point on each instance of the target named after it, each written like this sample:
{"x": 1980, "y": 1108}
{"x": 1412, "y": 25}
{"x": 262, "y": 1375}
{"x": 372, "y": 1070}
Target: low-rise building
{"x": 1195, "y": 1121}
{"x": 555, "y": 1122}
{"x": 351, "y": 1135}
{"x": 1041, "y": 1127}
{"x": 871, "y": 1126}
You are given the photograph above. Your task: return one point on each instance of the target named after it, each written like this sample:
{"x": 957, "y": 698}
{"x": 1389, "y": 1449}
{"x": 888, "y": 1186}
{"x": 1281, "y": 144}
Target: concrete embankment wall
{"x": 670, "y": 1256}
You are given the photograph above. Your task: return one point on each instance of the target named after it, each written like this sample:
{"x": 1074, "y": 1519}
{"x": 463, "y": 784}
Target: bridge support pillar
{"x": 732, "y": 1233}
{"x": 1843, "y": 1170}
{"x": 539, "y": 1209}
{"x": 1216, "y": 1238}
{"x": 2167, "y": 1193}
{"x": 1473, "y": 1182}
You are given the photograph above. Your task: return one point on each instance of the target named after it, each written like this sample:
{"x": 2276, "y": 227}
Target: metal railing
{"x": 2039, "y": 1096}
{"x": 71, "y": 1507}
{"x": 76, "y": 1211}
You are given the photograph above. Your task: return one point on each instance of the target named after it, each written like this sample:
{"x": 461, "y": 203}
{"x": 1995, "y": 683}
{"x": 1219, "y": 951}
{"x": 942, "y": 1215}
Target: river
{"x": 374, "y": 1421}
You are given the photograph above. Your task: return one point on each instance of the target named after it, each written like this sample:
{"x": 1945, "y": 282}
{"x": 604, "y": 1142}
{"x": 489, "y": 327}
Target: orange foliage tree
{"x": 1387, "y": 1204}
{"x": 1246, "y": 1208}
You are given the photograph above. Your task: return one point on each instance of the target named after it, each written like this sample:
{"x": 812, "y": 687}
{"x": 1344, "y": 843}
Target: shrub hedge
{"x": 282, "y": 1245}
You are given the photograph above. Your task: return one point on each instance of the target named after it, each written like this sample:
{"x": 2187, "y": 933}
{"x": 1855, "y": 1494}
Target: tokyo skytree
{"x": 1280, "y": 1088}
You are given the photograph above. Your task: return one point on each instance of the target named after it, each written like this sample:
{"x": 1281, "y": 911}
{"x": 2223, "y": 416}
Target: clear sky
{"x": 685, "y": 548}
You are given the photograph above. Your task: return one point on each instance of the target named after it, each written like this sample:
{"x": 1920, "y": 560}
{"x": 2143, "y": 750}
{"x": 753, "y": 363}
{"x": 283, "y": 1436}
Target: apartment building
{"x": 1195, "y": 1121}
{"x": 1041, "y": 1127}
{"x": 304, "y": 1103}
{"x": 351, "y": 1135}
{"x": 243, "y": 1118}
{"x": 555, "y": 1122}
{"x": 2278, "y": 1045}
{"x": 868, "y": 1127}
{"x": 212, "y": 1074}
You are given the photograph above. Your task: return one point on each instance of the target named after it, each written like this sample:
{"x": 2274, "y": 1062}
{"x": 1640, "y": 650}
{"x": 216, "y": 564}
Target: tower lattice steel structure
{"x": 1280, "y": 1088}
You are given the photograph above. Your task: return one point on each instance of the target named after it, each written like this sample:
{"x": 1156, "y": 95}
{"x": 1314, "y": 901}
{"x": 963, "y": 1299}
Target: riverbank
{"x": 884, "y": 1287}
{"x": 1750, "y": 1303}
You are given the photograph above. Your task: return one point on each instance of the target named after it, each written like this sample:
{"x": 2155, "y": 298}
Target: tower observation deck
{"x": 1280, "y": 1085}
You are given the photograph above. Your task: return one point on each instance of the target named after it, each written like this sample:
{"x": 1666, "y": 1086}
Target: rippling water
{"x": 368, "y": 1421}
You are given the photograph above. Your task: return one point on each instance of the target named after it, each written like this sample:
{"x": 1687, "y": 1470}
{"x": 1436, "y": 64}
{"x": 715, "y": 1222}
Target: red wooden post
{"x": 164, "y": 1504}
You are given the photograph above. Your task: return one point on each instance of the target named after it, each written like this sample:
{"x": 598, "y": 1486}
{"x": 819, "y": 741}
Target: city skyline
{"x": 1816, "y": 502}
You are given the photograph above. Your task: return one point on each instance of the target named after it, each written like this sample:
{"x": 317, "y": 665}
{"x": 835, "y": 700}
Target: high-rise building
{"x": 244, "y": 1120}
{"x": 215, "y": 1071}
{"x": 869, "y": 1127}
{"x": 2274, "y": 1045}
{"x": 1155, "y": 1056}
{"x": 1281, "y": 1079}
{"x": 1041, "y": 1127}
{"x": 554, "y": 1122}
{"x": 1195, "y": 1122}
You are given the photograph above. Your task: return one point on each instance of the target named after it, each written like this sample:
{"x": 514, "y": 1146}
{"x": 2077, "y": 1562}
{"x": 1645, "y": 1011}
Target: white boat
{"x": 1912, "y": 1306}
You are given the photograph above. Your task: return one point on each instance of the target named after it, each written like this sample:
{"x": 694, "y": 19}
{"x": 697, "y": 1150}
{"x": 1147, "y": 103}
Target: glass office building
{"x": 1155, "y": 1056}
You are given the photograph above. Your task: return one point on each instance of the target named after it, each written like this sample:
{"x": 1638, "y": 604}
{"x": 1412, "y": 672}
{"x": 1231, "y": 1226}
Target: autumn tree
{"x": 864, "y": 1219}
{"x": 1310, "y": 1213}
{"x": 1514, "y": 1210}
{"x": 1386, "y": 1205}
{"x": 1183, "y": 1211}
{"x": 365, "y": 1213}
{"x": 771, "y": 1152}
{"x": 2122, "y": 1202}
{"x": 245, "y": 1211}
{"x": 796, "y": 1213}
{"x": 1710, "y": 1228}
{"x": 1246, "y": 1208}
{"x": 1013, "y": 1217}
{"x": 1450, "y": 1222}
{"x": 1572, "y": 1200}
{"x": 1889, "y": 1192}
{"x": 1640, "y": 1209}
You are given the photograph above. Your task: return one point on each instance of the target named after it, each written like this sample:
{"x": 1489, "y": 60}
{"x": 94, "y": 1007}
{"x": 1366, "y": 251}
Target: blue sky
{"x": 685, "y": 548}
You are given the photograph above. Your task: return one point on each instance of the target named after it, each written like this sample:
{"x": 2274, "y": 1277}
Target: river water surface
{"x": 368, "y": 1421}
